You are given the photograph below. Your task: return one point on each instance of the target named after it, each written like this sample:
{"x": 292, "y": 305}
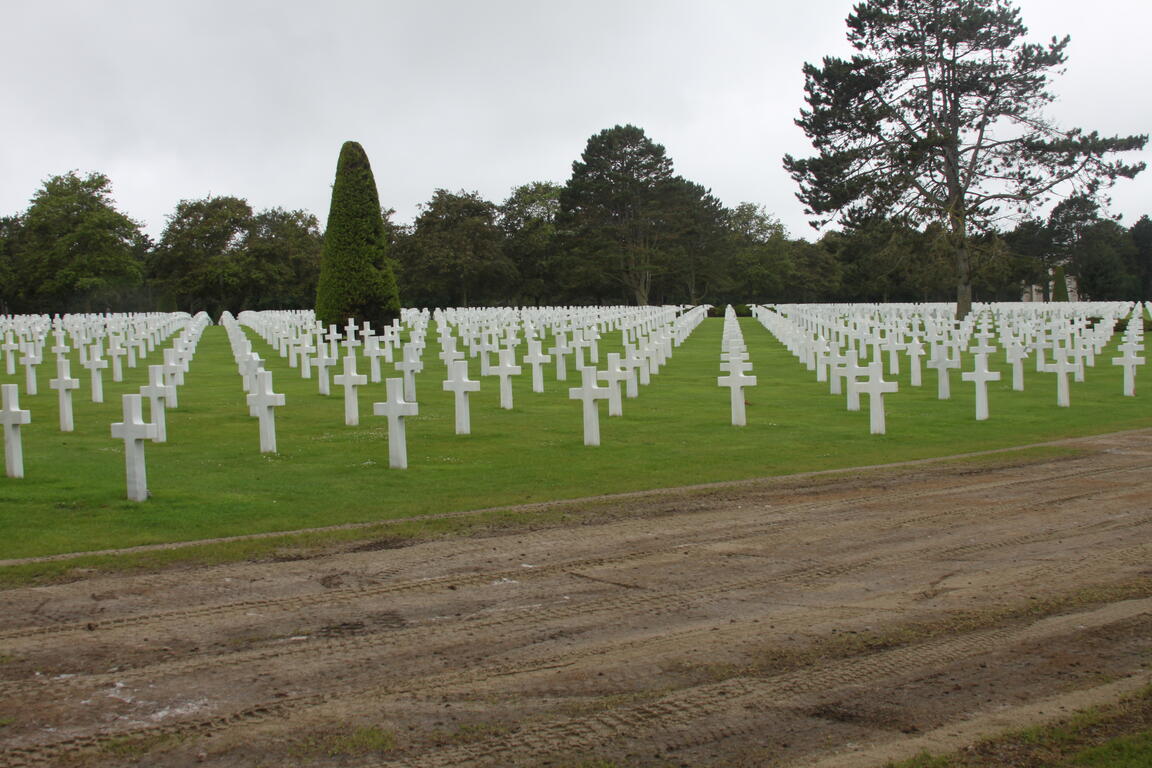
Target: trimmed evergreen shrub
{"x": 356, "y": 280}
{"x": 1059, "y": 285}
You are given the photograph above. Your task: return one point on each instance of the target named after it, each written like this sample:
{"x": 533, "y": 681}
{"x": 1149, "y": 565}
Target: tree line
{"x": 624, "y": 228}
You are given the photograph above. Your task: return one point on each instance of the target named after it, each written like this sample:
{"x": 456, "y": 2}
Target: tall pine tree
{"x": 356, "y": 281}
{"x": 938, "y": 117}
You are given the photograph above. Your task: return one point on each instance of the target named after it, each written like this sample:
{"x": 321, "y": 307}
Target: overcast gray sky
{"x": 253, "y": 98}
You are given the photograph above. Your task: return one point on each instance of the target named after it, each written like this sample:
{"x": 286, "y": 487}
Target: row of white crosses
{"x": 297, "y": 334}
{"x": 262, "y": 401}
{"x": 650, "y": 335}
{"x": 143, "y": 333}
{"x": 734, "y": 360}
{"x": 832, "y": 339}
{"x": 1131, "y": 346}
{"x": 134, "y": 430}
{"x": 26, "y": 339}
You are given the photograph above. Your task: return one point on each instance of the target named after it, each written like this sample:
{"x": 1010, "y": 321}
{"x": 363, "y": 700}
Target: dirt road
{"x": 839, "y": 620}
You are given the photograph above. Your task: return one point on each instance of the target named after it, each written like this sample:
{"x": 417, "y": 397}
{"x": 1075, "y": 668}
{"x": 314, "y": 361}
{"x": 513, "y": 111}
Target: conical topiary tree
{"x": 1059, "y": 285}
{"x": 355, "y": 278}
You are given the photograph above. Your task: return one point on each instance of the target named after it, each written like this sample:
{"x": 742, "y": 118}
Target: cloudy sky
{"x": 253, "y": 98}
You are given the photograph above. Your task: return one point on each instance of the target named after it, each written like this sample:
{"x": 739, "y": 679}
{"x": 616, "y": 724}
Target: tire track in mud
{"x": 738, "y": 529}
{"x": 352, "y": 647}
{"x": 652, "y": 603}
{"x": 674, "y": 712}
{"x": 571, "y": 733}
{"x": 647, "y": 602}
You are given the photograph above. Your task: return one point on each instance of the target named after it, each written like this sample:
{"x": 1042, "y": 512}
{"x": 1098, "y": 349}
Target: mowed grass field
{"x": 210, "y": 480}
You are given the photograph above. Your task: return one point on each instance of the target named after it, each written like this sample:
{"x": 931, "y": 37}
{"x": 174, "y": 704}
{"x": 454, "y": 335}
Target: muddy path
{"x": 842, "y": 619}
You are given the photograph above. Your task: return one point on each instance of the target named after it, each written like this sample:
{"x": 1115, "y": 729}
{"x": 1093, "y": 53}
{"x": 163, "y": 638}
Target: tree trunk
{"x": 963, "y": 268}
{"x": 963, "y": 299}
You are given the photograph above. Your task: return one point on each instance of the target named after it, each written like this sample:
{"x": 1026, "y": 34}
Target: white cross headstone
{"x": 323, "y": 362}
{"x": 350, "y": 341}
{"x": 12, "y": 418}
{"x": 505, "y": 371}
{"x": 559, "y": 349}
{"x": 1061, "y": 366}
{"x": 30, "y": 358}
{"x": 875, "y": 387}
{"x": 1015, "y": 355}
{"x": 95, "y": 365}
{"x": 536, "y": 359}
{"x": 915, "y": 351}
{"x": 350, "y": 380}
{"x": 836, "y": 360}
{"x": 395, "y": 409}
{"x": 134, "y": 431}
{"x": 409, "y": 367}
{"x": 306, "y": 349}
{"x": 613, "y": 377}
{"x": 589, "y": 393}
{"x": 373, "y": 352}
{"x": 10, "y": 347}
{"x": 736, "y": 380}
{"x": 851, "y": 371}
{"x": 632, "y": 364}
{"x": 942, "y": 362}
{"x": 64, "y": 384}
{"x": 115, "y": 351}
{"x": 173, "y": 375}
{"x": 459, "y": 384}
{"x": 1129, "y": 359}
{"x": 980, "y": 376}
{"x": 157, "y": 392}
{"x": 263, "y": 401}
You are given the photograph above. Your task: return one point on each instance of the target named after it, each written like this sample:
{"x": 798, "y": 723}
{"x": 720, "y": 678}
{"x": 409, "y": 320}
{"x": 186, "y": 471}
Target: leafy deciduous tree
{"x": 281, "y": 259}
{"x": 611, "y": 207}
{"x": 454, "y": 256}
{"x": 73, "y": 251}
{"x": 528, "y": 220}
{"x": 1141, "y": 233}
{"x": 197, "y": 264}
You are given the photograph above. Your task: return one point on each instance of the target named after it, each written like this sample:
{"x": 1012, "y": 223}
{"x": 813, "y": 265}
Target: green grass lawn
{"x": 211, "y": 480}
{"x": 1111, "y": 736}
